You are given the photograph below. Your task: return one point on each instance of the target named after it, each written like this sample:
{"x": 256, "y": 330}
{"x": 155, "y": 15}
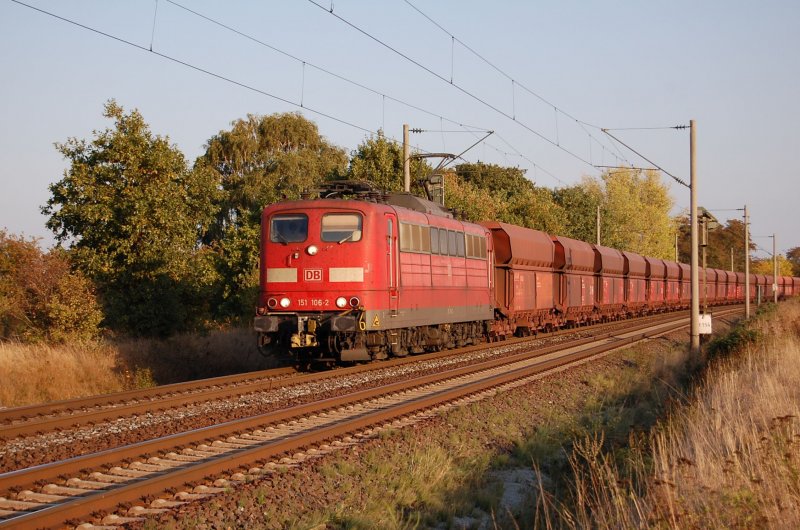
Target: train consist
{"x": 356, "y": 275}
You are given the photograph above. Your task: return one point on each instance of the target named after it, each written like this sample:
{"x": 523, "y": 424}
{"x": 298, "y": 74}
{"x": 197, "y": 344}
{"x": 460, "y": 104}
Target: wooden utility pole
{"x": 746, "y": 264}
{"x": 695, "y": 319}
{"x": 406, "y": 161}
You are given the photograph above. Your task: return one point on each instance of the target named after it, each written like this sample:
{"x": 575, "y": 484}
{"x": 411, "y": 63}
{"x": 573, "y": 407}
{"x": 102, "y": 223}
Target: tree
{"x": 635, "y": 212}
{"x": 765, "y": 266}
{"x": 380, "y": 161}
{"x": 720, "y": 241}
{"x": 492, "y": 192}
{"x": 131, "y": 212}
{"x": 793, "y": 256}
{"x": 259, "y": 161}
{"x": 579, "y": 204}
{"x": 41, "y": 298}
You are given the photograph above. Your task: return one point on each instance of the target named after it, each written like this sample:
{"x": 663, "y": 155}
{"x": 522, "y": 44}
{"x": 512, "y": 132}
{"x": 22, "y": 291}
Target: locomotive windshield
{"x": 288, "y": 228}
{"x": 341, "y": 227}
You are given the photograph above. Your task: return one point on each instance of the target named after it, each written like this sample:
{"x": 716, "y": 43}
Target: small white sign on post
{"x": 705, "y": 324}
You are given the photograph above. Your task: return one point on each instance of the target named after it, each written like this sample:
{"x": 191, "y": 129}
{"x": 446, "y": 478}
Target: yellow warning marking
{"x": 376, "y": 322}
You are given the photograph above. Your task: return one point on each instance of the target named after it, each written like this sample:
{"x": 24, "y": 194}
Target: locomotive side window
{"x": 452, "y": 243}
{"x": 415, "y": 238}
{"x": 288, "y": 228}
{"x": 405, "y": 236}
{"x": 460, "y": 243}
{"x": 434, "y": 240}
{"x": 443, "y": 242}
{"x": 424, "y": 239}
{"x": 341, "y": 227}
{"x": 476, "y": 246}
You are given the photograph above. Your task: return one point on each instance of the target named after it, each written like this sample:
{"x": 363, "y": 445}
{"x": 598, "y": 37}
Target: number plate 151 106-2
{"x": 313, "y": 302}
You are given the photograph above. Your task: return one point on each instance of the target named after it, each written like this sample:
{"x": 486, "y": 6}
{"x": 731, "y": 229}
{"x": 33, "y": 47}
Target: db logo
{"x": 312, "y": 275}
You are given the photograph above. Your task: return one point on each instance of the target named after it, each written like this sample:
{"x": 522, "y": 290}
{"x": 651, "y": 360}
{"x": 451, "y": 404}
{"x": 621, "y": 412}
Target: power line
{"x": 472, "y": 129}
{"x": 676, "y": 179}
{"x": 451, "y": 83}
{"x": 194, "y": 67}
{"x": 319, "y": 68}
{"x": 244, "y": 85}
{"x": 677, "y": 127}
{"x": 508, "y": 76}
{"x": 207, "y": 72}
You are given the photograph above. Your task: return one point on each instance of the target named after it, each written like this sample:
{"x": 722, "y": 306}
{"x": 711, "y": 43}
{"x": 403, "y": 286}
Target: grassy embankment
{"x": 728, "y": 458}
{"x": 588, "y": 431}
{"x": 35, "y": 373}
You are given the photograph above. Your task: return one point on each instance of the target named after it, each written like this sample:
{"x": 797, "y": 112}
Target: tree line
{"x": 150, "y": 244}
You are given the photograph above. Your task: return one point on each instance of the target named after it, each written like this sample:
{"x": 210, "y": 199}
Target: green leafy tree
{"x": 579, "y": 204}
{"x": 131, "y": 212}
{"x": 766, "y": 266}
{"x": 721, "y": 240}
{"x": 380, "y": 161}
{"x": 635, "y": 210}
{"x": 41, "y": 298}
{"x": 471, "y": 201}
{"x": 259, "y": 161}
{"x": 793, "y": 256}
{"x": 489, "y": 191}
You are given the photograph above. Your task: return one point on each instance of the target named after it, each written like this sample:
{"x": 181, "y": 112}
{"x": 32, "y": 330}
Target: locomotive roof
{"x": 418, "y": 204}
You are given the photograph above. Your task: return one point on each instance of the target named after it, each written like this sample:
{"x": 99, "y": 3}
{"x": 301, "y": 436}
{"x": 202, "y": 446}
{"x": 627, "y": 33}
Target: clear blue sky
{"x": 734, "y": 66}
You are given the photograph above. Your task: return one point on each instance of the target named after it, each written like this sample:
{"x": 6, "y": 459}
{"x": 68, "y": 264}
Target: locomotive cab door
{"x": 392, "y": 262}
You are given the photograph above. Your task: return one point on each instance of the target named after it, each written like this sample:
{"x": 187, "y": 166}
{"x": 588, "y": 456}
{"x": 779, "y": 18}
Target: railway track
{"x": 47, "y": 417}
{"x": 51, "y": 495}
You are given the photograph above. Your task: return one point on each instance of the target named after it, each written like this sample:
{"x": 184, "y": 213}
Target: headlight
{"x": 272, "y": 303}
{"x": 341, "y": 302}
{"x": 312, "y": 250}
{"x": 285, "y": 302}
{"x": 354, "y": 301}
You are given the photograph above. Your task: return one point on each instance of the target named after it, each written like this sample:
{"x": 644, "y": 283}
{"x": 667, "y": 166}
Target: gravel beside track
{"x": 48, "y": 447}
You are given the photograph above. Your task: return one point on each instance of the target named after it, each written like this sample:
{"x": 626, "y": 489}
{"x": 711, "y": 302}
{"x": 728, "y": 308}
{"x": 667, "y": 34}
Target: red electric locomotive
{"x": 357, "y": 275}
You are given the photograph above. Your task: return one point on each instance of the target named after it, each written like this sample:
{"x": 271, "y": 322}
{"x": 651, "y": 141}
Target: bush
{"x": 40, "y": 297}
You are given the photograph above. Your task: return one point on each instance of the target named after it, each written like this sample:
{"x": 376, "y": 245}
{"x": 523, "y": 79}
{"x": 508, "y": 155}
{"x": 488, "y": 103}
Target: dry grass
{"x": 728, "y": 459}
{"x": 40, "y": 373}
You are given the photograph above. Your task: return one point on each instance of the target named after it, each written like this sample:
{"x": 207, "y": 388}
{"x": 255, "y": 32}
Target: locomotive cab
{"x": 317, "y": 276}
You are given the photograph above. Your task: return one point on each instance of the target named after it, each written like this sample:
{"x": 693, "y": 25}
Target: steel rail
{"x": 71, "y": 405}
{"x": 105, "y": 499}
{"x": 47, "y": 417}
{"x": 27, "y": 477}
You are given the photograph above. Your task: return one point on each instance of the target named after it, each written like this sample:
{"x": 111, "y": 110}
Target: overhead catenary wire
{"x": 453, "y": 84}
{"x": 676, "y": 179}
{"x": 310, "y": 64}
{"x": 193, "y": 67}
{"x": 473, "y": 129}
{"x": 514, "y": 81}
{"x": 211, "y": 73}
